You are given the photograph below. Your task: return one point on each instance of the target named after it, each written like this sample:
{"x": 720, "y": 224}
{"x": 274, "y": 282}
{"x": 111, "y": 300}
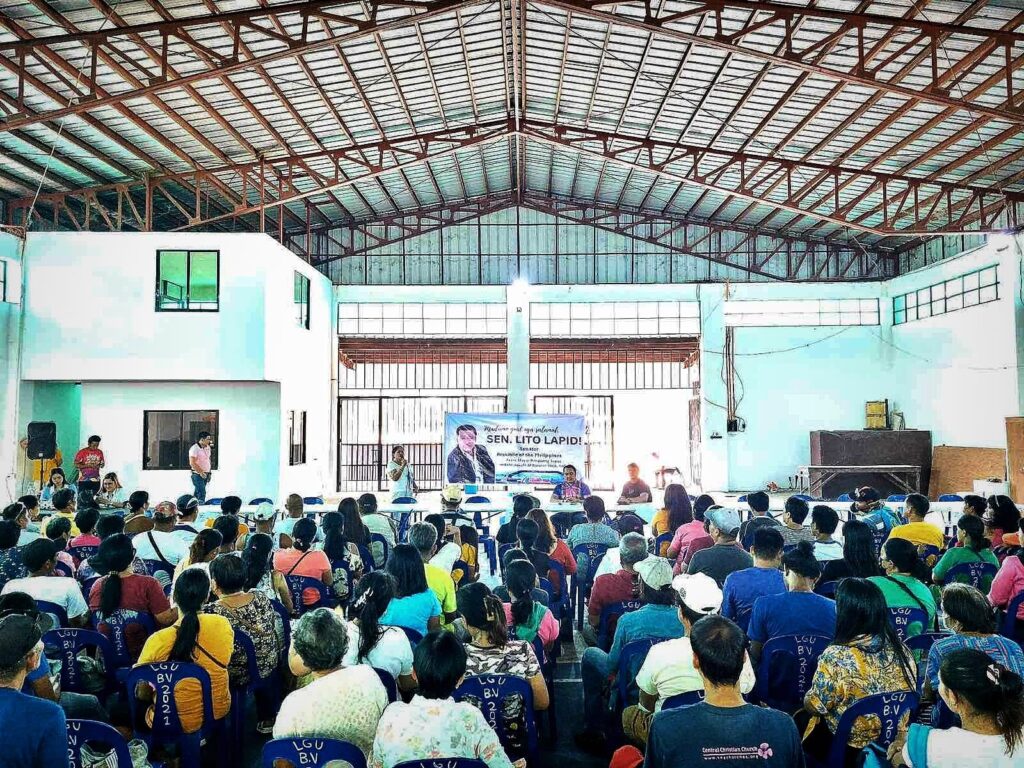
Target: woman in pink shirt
{"x": 688, "y": 532}
{"x": 301, "y": 560}
{"x": 1008, "y": 583}
{"x": 524, "y": 617}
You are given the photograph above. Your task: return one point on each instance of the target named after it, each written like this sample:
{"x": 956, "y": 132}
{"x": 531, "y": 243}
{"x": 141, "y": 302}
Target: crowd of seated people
{"x": 362, "y": 630}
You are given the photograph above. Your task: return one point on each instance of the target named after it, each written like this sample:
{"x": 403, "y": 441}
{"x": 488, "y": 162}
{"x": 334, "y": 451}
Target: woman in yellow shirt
{"x": 678, "y": 511}
{"x": 198, "y": 638}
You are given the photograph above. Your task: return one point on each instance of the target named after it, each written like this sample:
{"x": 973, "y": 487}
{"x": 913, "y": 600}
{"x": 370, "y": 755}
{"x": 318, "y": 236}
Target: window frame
{"x": 188, "y": 278}
{"x": 955, "y": 292}
{"x": 215, "y": 432}
{"x": 3, "y": 280}
{"x": 292, "y": 445}
{"x": 303, "y": 316}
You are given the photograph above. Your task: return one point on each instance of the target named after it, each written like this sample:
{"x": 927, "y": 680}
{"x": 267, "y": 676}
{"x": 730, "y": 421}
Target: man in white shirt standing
{"x": 199, "y": 459}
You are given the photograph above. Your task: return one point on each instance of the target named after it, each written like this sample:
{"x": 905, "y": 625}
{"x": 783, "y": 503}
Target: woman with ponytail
{"x": 125, "y": 591}
{"x": 300, "y": 559}
{"x": 370, "y": 642}
{"x": 490, "y": 651}
{"x": 989, "y": 699}
{"x": 527, "y": 618}
{"x": 904, "y": 583}
{"x": 259, "y": 572}
{"x": 342, "y": 554}
{"x": 197, "y": 638}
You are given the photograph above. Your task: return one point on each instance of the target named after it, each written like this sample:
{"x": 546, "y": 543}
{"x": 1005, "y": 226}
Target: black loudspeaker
{"x": 42, "y": 440}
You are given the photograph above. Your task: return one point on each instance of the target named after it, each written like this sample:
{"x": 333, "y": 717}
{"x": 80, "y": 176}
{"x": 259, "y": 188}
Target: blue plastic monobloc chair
{"x": 215, "y": 502}
{"x": 683, "y": 700}
{"x": 584, "y": 578}
{"x": 297, "y": 586}
{"x": 117, "y": 625}
{"x": 313, "y": 500}
{"x": 241, "y": 694}
{"x": 477, "y": 500}
{"x": 82, "y": 552}
{"x": 897, "y": 497}
{"x": 443, "y": 762}
{"x": 951, "y": 497}
{"x": 378, "y": 538}
{"x": 889, "y": 708}
{"x": 662, "y": 543}
{"x": 82, "y": 732}
{"x": 261, "y": 500}
{"x": 286, "y": 623}
{"x": 1009, "y": 625}
{"x": 54, "y": 610}
{"x": 787, "y": 667}
{"x": 609, "y": 619}
{"x": 827, "y": 589}
{"x": 389, "y": 683}
{"x": 631, "y": 658}
{"x": 904, "y": 620}
{"x": 978, "y": 575}
{"x": 844, "y": 497}
{"x": 489, "y": 693}
{"x": 413, "y": 635}
{"x": 63, "y": 569}
{"x": 161, "y": 571}
{"x": 311, "y": 751}
{"x": 164, "y": 677}
{"x": 68, "y": 643}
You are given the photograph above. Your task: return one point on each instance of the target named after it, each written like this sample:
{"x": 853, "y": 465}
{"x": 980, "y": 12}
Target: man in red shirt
{"x": 89, "y": 461}
{"x": 615, "y": 587}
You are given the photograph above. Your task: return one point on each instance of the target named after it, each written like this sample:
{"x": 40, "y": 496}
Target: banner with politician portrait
{"x": 526, "y": 448}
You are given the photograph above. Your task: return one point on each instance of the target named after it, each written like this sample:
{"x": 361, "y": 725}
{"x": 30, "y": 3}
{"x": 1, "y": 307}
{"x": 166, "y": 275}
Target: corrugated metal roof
{"x": 879, "y": 122}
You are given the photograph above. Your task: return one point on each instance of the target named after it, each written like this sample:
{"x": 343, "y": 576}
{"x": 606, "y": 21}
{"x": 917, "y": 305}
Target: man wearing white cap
{"x": 668, "y": 669}
{"x": 657, "y": 618}
{"x": 161, "y": 543}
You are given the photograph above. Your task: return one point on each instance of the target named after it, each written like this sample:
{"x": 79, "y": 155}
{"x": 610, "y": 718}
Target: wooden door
{"x": 1015, "y": 455}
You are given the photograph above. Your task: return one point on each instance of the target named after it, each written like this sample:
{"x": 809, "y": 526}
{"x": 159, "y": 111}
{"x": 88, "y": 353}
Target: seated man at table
{"x": 917, "y": 530}
{"x": 572, "y": 490}
{"x": 635, "y": 491}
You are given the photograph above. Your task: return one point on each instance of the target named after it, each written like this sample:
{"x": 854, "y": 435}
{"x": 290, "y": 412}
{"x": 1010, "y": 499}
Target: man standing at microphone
{"x": 469, "y": 462}
{"x": 199, "y": 459}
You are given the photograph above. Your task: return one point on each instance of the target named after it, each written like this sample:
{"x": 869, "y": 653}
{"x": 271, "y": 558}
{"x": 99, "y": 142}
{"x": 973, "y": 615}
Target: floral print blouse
{"x": 257, "y": 619}
{"x": 429, "y": 729}
{"x": 848, "y": 673}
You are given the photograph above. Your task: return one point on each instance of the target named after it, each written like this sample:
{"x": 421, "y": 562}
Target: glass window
{"x": 301, "y": 298}
{"x": 167, "y": 437}
{"x": 296, "y": 437}
{"x": 187, "y": 281}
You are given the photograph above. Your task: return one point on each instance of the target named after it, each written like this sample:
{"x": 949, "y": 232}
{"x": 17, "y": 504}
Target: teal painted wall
{"x": 60, "y": 402}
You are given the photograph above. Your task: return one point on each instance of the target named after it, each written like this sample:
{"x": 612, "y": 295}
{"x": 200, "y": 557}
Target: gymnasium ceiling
{"x": 863, "y": 125}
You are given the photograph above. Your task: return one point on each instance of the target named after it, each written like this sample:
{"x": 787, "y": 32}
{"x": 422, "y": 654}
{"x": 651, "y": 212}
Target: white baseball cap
{"x": 265, "y": 511}
{"x": 699, "y": 592}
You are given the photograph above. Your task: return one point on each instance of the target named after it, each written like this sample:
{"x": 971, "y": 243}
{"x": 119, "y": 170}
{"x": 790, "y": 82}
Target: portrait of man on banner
{"x": 467, "y": 461}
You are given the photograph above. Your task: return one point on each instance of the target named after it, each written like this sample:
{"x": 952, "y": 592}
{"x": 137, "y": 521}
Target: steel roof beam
{"x": 294, "y": 46}
{"x": 782, "y": 16}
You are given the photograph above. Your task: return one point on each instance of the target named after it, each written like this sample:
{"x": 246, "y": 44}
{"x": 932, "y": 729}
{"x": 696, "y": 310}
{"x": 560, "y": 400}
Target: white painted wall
{"x": 248, "y": 431}
{"x": 10, "y": 348}
{"x": 957, "y": 373}
{"x": 91, "y": 317}
{"x": 90, "y": 309}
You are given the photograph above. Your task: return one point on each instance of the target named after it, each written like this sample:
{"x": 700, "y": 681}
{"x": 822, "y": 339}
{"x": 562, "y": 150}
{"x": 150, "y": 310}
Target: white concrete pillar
{"x": 714, "y": 450}
{"x": 517, "y": 297}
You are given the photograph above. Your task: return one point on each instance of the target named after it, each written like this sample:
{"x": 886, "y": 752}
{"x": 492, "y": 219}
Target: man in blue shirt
{"x": 35, "y": 730}
{"x": 869, "y": 507}
{"x": 656, "y": 619}
{"x": 722, "y": 730}
{"x": 742, "y": 588}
